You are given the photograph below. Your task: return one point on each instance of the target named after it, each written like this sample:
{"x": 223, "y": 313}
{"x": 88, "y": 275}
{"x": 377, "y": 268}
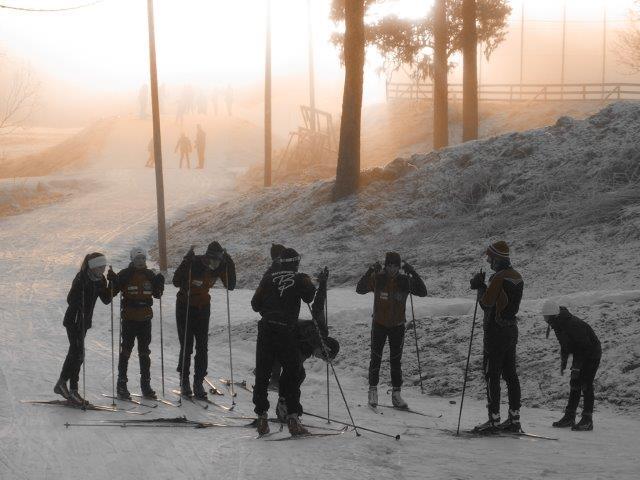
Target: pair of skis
{"x": 407, "y": 410}
{"x": 79, "y": 406}
{"x": 203, "y": 402}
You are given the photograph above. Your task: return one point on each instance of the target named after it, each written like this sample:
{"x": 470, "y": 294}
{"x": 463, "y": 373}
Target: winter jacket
{"x": 278, "y": 296}
{"x": 576, "y": 337}
{"x": 306, "y": 331}
{"x": 202, "y": 279}
{"x": 138, "y": 287}
{"x": 82, "y": 298}
{"x": 184, "y": 145}
{"x": 390, "y": 295}
{"x": 500, "y": 301}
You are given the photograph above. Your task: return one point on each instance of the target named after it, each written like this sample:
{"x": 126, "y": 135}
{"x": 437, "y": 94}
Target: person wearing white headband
{"x": 88, "y": 284}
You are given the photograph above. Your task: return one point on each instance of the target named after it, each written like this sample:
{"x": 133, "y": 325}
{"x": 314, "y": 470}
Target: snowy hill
{"x": 565, "y": 197}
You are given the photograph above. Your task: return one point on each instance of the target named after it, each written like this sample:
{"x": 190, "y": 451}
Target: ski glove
{"x": 323, "y": 276}
{"x": 111, "y": 275}
{"x": 158, "y": 285}
{"x": 408, "y": 269}
{"x": 375, "y": 268}
{"x": 190, "y": 254}
{"x": 477, "y": 281}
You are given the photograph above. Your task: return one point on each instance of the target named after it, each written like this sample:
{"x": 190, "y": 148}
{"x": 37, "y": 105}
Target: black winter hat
{"x": 276, "y": 250}
{"x": 214, "y": 250}
{"x": 392, "y": 258}
{"x": 289, "y": 255}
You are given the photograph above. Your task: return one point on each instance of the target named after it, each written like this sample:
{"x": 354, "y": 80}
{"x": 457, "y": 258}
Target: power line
{"x": 64, "y": 9}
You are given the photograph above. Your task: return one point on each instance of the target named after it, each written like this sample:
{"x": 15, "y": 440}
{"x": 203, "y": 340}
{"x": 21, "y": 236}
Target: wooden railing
{"x": 522, "y": 93}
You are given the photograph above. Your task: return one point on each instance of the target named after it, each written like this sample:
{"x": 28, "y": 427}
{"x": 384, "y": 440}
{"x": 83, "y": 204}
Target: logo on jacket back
{"x": 284, "y": 280}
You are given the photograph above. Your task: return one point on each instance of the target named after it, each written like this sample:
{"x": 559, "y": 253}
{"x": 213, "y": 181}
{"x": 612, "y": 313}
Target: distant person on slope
{"x": 184, "y": 146}
{"x": 88, "y": 284}
{"x": 576, "y": 338}
{"x": 151, "y": 160}
{"x": 500, "y": 302}
{"x": 277, "y": 299}
{"x": 138, "y": 286}
{"x": 390, "y": 291}
{"x": 195, "y": 276}
{"x": 201, "y": 141}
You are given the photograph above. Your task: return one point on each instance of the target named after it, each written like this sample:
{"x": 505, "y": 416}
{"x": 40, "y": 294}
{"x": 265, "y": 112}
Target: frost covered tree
{"x": 18, "y": 98}
{"x": 629, "y": 41}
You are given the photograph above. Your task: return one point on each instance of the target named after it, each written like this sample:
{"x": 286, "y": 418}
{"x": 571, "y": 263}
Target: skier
{"x": 277, "y": 299}
{"x": 309, "y": 342}
{"x": 577, "y": 338}
{"x": 500, "y": 302}
{"x": 151, "y": 161}
{"x": 184, "y": 145}
{"x": 390, "y": 289}
{"x": 201, "y": 140}
{"x": 138, "y": 286}
{"x": 195, "y": 276}
{"x": 88, "y": 284}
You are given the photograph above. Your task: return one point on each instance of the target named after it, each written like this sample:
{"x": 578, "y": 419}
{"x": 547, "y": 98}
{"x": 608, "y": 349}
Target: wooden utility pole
{"x": 267, "y": 102}
{"x": 440, "y": 86}
{"x": 564, "y": 42}
{"x": 521, "y": 48}
{"x": 157, "y": 143}
{"x": 469, "y": 72}
{"x": 312, "y": 88}
{"x": 604, "y": 47}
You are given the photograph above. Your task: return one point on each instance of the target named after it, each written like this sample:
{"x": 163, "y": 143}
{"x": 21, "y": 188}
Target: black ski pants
{"x": 133, "y": 330}
{"x": 73, "y": 361}
{"x": 277, "y": 342}
{"x": 582, "y": 382}
{"x": 379, "y": 335}
{"x": 499, "y": 360}
{"x": 197, "y": 326}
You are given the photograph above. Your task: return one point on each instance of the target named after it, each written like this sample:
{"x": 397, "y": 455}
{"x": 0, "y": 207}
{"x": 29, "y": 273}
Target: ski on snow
{"x": 243, "y": 384}
{"x": 158, "y": 399}
{"x": 192, "y": 399}
{"x": 504, "y": 433}
{"x": 131, "y": 400}
{"x": 212, "y": 388}
{"x": 409, "y": 410}
{"x": 77, "y": 406}
{"x": 309, "y": 435}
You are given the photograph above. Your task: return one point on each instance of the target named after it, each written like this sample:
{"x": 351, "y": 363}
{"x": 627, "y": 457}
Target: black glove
{"x": 477, "y": 281}
{"x": 158, "y": 284}
{"x": 408, "y": 269}
{"x": 323, "y": 275}
{"x": 111, "y": 275}
{"x": 190, "y": 254}
{"x": 375, "y": 268}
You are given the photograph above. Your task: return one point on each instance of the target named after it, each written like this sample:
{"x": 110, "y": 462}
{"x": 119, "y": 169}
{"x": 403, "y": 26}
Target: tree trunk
{"x": 348, "y": 169}
{"x": 440, "y": 85}
{"x": 470, "y": 72}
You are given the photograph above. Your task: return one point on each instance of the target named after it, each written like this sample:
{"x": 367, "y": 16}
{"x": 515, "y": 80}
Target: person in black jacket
{"x": 88, "y": 284}
{"x": 277, "y": 299}
{"x": 138, "y": 287}
{"x": 390, "y": 289}
{"x": 195, "y": 276}
{"x": 576, "y": 338}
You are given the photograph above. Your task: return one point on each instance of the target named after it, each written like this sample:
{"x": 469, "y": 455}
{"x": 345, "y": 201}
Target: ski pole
{"x": 84, "y": 377}
{"x": 397, "y": 437}
{"x": 113, "y": 365}
{"x": 466, "y": 368}
{"x": 233, "y": 396}
{"x": 184, "y": 341}
{"x": 326, "y": 322}
{"x": 326, "y": 354}
{"x": 415, "y": 335}
{"x": 161, "y": 348}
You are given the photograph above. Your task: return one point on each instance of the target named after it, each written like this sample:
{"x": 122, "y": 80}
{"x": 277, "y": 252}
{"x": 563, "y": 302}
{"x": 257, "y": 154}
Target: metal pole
{"x": 521, "y": 49}
{"x": 267, "y": 102}
{"x": 326, "y": 322}
{"x": 312, "y": 89}
{"x": 113, "y": 365}
{"x": 415, "y": 335}
{"x": 564, "y": 38}
{"x": 157, "y": 144}
{"x": 161, "y": 349}
{"x": 233, "y": 395}
{"x": 466, "y": 369}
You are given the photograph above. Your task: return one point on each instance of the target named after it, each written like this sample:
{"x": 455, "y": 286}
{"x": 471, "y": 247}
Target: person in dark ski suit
{"x": 576, "y": 338}
{"x": 88, "y": 284}
{"x": 500, "y": 302}
{"x": 201, "y": 142}
{"x": 195, "y": 276}
{"x": 138, "y": 286}
{"x": 277, "y": 299}
{"x": 390, "y": 289}
{"x": 184, "y": 146}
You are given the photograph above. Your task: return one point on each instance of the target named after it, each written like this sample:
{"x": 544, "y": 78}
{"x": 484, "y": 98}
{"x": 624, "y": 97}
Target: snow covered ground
{"x": 40, "y": 252}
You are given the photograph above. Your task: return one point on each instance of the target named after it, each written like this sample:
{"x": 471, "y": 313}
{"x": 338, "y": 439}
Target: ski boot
{"x": 585, "y": 424}
{"x": 397, "y": 401}
{"x": 568, "y": 420}
{"x": 122, "y": 391}
{"x": 61, "y": 388}
{"x": 262, "y": 424}
{"x": 147, "y": 391}
{"x": 295, "y": 427}
{"x": 511, "y": 424}
{"x": 373, "y": 396}
{"x": 281, "y": 410}
{"x": 75, "y": 397}
{"x": 490, "y": 426}
{"x": 198, "y": 390}
{"x": 185, "y": 388}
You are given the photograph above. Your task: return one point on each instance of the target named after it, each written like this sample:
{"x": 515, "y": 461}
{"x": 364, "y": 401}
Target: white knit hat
{"x": 550, "y": 307}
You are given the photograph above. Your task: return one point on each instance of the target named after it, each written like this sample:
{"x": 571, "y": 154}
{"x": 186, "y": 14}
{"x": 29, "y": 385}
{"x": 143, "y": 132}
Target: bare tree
{"x": 348, "y": 169}
{"x": 628, "y": 44}
{"x": 470, "y": 72}
{"x": 440, "y": 84}
{"x": 19, "y": 101}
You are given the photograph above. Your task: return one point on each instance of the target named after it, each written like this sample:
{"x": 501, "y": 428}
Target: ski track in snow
{"x": 39, "y": 255}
